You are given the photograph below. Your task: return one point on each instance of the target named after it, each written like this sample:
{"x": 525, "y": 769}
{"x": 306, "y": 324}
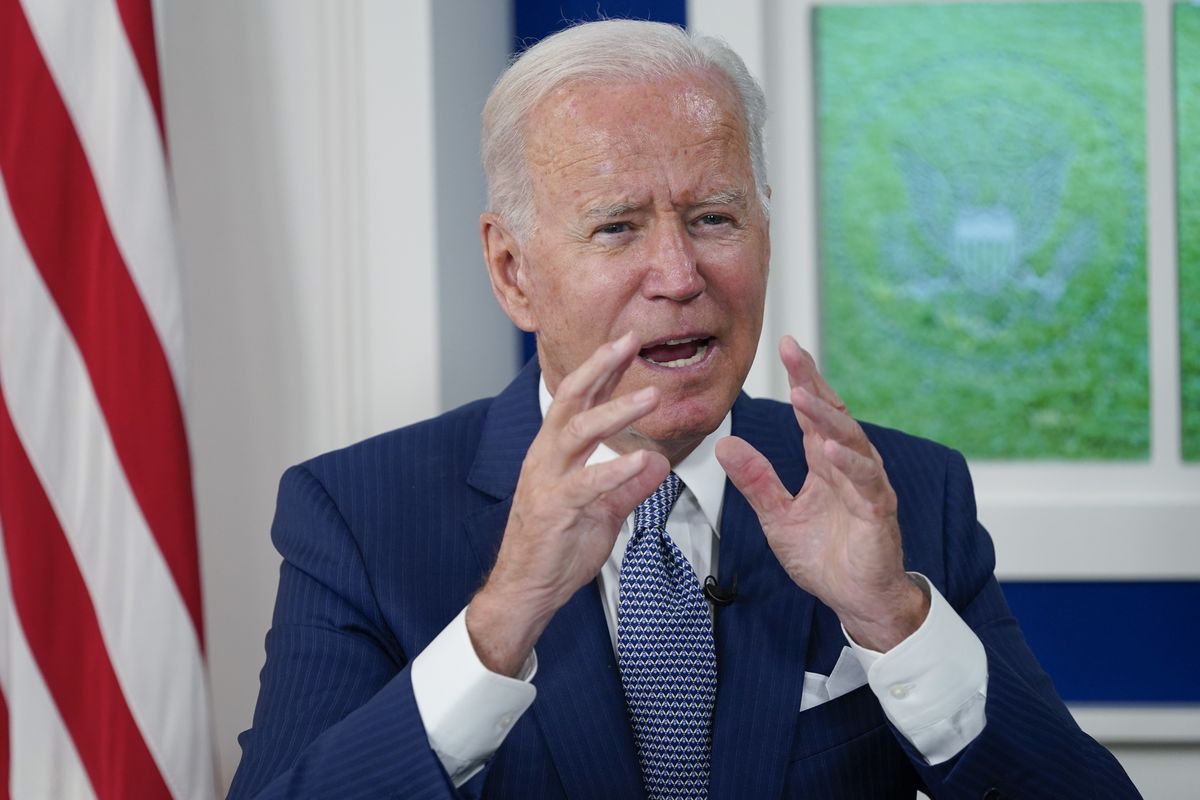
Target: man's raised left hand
{"x": 838, "y": 537}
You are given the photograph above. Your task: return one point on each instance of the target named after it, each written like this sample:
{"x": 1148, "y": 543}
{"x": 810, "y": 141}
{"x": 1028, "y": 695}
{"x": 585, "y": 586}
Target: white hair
{"x": 616, "y": 49}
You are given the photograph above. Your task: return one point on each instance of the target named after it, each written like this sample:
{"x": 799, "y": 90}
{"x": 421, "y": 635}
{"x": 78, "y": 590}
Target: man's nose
{"x": 673, "y": 272}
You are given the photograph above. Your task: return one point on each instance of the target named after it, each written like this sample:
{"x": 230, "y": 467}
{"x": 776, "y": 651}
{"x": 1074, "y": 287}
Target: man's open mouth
{"x": 675, "y": 353}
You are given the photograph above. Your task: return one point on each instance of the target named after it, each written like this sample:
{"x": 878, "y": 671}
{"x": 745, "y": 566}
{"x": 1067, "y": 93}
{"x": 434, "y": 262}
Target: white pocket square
{"x": 847, "y": 675}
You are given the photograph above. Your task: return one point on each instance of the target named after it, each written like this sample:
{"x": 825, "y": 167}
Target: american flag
{"x": 103, "y": 684}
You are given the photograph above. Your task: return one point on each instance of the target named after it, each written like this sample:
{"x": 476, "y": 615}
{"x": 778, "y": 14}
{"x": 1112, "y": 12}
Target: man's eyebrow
{"x": 724, "y": 197}
{"x": 611, "y": 210}
{"x": 727, "y": 197}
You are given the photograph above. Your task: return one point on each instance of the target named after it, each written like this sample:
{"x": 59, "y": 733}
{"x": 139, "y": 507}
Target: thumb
{"x": 754, "y": 477}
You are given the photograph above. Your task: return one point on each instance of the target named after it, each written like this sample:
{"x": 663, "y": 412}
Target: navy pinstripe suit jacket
{"x": 384, "y": 542}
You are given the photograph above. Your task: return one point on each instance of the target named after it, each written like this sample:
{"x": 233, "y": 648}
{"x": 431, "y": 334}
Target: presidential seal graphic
{"x": 985, "y": 211}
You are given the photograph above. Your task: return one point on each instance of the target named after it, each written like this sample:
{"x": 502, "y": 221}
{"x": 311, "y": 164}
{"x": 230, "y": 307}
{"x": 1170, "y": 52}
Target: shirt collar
{"x": 700, "y": 471}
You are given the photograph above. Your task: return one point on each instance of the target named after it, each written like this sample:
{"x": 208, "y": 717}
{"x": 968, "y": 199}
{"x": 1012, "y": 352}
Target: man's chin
{"x": 676, "y": 428}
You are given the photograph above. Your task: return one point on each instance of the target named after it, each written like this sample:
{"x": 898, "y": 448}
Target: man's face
{"x": 647, "y": 219}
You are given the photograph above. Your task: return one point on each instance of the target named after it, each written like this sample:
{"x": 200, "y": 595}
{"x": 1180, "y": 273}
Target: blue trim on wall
{"x": 1127, "y": 642}
{"x": 535, "y": 19}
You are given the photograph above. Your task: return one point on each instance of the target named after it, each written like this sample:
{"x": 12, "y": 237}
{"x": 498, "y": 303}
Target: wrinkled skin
{"x": 648, "y": 230}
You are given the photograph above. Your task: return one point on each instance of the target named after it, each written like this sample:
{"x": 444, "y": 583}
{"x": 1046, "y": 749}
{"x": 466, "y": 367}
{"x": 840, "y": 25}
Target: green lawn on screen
{"x": 982, "y": 224}
{"x": 1187, "y": 90}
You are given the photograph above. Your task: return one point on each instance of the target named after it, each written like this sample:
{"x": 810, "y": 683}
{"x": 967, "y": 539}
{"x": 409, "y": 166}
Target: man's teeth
{"x": 701, "y": 349}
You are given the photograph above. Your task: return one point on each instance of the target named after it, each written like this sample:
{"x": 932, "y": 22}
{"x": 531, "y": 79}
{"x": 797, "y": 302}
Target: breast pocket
{"x": 844, "y": 750}
{"x": 837, "y": 722}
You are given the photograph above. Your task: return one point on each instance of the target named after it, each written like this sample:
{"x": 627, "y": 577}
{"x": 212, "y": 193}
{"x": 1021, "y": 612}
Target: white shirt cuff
{"x": 466, "y": 708}
{"x": 933, "y": 685}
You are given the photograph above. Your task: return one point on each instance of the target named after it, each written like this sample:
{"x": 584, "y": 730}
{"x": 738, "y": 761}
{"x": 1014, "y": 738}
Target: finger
{"x": 824, "y": 390}
{"x": 623, "y": 496}
{"x": 794, "y": 362}
{"x": 606, "y": 368}
{"x": 754, "y": 477}
{"x": 603, "y": 368}
{"x": 597, "y": 479}
{"x": 609, "y": 385}
{"x": 798, "y": 368}
{"x": 829, "y": 422}
{"x": 814, "y": 437}
{"x": 865, "y": 476}
{"x": 802, "y": 370}
{"x": 584, "y": 431}
{"x": 814, "y": 445}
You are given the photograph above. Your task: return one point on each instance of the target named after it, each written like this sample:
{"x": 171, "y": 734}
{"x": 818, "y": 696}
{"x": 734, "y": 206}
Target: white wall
{"x": 473, "y": 330}
{"x": 327, "y": 274}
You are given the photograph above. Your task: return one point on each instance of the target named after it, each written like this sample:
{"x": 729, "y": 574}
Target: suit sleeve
{"x": 1030, "y": 746}
{"x": 336, "y": 715}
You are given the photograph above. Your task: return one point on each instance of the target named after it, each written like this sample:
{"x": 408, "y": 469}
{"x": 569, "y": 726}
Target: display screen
{"x": 1187, "y": 98}
{"x": 982, "y": 224}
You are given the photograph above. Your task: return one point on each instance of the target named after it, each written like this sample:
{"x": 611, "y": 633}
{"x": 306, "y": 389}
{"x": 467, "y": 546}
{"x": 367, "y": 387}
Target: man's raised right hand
{"x": 565, "y": 514}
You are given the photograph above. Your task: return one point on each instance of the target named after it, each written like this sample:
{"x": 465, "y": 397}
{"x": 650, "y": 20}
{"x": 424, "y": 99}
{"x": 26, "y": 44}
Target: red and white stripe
{"x": 104, "y": 687}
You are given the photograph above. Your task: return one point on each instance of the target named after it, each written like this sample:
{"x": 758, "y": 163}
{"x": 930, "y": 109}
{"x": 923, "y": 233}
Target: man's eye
{"x": 613, "y": 228}
{"x": 713, "y": 219}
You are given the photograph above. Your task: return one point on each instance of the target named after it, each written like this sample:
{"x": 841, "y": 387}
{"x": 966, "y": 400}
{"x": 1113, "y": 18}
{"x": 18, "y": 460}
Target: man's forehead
{"x": 603, "y": 129}
{"x": 624, "y": 111}
{"x": 697, "y": 95}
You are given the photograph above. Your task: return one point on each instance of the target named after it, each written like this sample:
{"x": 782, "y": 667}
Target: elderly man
{"x": 508, "y": 601}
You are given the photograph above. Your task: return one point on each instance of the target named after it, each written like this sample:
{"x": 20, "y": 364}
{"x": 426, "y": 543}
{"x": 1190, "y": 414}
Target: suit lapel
{"x": 580, "y": 706}
{"x": 762, "y": 638}
{"x": 512, "y": 420}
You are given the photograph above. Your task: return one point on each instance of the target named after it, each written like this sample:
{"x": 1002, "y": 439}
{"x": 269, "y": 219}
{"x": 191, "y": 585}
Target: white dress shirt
{"x": 932, "y": 686}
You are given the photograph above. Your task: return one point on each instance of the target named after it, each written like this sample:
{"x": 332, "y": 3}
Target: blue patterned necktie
{"x": 666, "y": 654}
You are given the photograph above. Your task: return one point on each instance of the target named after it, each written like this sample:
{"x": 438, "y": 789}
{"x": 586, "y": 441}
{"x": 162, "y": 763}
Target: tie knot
{"x": 653, "y": 511}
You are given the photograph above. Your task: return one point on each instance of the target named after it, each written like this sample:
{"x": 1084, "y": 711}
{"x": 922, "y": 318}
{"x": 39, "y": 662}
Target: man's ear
{"x": 507, "y": 270}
